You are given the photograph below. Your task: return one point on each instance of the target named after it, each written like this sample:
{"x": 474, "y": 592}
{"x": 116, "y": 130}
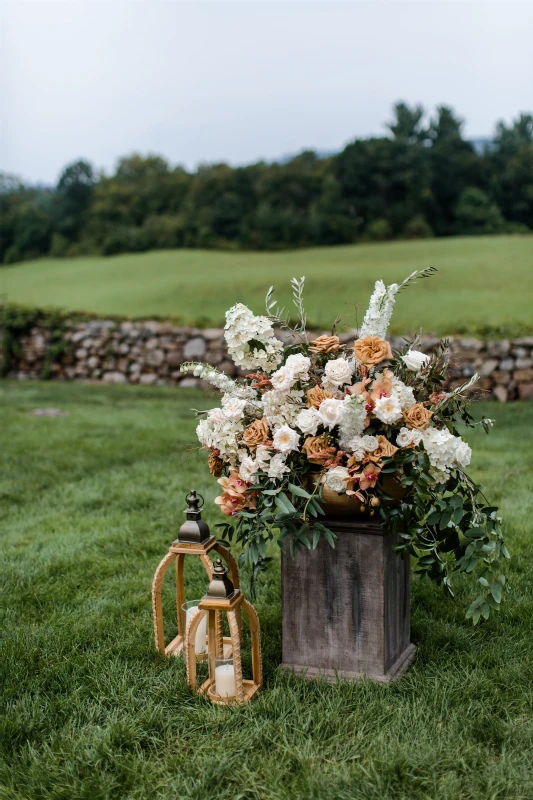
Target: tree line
{"x": 422, "y": 179}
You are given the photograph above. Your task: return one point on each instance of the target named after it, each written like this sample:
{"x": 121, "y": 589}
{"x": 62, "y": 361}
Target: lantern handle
{"x": 193, "y": 499}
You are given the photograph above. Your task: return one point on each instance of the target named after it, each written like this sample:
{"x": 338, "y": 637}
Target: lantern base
{"x": 208, "y": 689}
{"x": 177, "y": 648}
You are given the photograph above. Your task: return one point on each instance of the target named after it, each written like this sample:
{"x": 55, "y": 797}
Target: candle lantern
{"x": 194, "y": 539}
{"x": 225, "y": 683}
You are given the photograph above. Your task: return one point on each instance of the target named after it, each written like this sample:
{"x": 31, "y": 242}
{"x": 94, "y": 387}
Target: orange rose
{"x": 325, "y": 344}
{"x": 417, "y": 417}
{"x": 215, "y": 463}
{"x": 316, "y": 395}
{"x": 256, "y": 433}
{"x": 371, "y": 350}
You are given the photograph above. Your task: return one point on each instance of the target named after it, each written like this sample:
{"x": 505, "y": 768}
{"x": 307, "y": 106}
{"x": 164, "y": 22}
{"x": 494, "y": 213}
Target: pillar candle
{"x": 225, "y": 680}
{"x": 200, "y": 643}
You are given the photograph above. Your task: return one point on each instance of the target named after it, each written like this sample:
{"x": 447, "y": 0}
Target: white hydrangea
{"x": 263, "y": 455}
{"x": 445, "y": 451}
{"x": 360, "y": 445}
{"x": 216, "y": 430}
{"x": 404, "y": 394}
{"x": 388, "y": 409}
{"x": 337, "y": 372}
{"x": 308, "y": 421}
{"x": 277, "y": 467}
{"x": 243, "y": 327}
{"x": 379, "y": 311}
{"x": 336, "y": 479}
{"x": 352, "y": 421}
{"x": 280, "y": 408}
{"x": 408, "y": 438}
{"x": 331, "y": 411}
{"x": 285, "y": 439}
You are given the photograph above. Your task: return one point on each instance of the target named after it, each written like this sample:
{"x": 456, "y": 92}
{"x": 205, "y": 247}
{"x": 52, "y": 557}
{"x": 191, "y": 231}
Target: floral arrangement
{"x": 361, "y": 421}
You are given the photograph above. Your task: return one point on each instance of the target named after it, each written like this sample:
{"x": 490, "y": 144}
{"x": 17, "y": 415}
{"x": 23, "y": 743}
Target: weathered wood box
{"x": 346, "y": 609}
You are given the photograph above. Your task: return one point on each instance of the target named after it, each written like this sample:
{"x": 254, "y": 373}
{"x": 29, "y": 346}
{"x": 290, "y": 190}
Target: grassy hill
{"x": 483, "y": 282}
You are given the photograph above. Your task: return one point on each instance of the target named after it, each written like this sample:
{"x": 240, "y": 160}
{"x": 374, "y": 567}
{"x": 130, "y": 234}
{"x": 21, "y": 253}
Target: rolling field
{"x": 483, "y": 283}
{"x": 89, "y": 504}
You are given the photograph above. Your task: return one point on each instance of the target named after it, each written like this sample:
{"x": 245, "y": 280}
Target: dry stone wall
{"x": 150, "y": 353}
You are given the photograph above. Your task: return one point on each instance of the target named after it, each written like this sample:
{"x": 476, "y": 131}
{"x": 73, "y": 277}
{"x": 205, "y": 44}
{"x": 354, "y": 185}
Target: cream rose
{"x": 285, "y": 439}
{"x": 330, "y": 412}
{"x": 336, "y": 479}
{"x": 414, "y": 360}
{"x": 283, "y": 379}
{"x": 233, "y": 408}
{"x": 308, "y": 420}
{"x": 337, "y": 372}
{"x": 388, "y": 410}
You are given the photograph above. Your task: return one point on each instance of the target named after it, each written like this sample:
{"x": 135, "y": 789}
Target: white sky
{"x": 243, "y": 81}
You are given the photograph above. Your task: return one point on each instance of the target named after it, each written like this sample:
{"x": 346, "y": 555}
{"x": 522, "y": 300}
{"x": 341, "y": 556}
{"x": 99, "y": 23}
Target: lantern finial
{"x": 220, "y": 585}
{"x": 194, "y": 530}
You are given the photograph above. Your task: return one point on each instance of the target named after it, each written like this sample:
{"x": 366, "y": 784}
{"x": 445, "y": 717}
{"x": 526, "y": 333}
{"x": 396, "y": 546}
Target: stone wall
{"x": 150, "y": 353}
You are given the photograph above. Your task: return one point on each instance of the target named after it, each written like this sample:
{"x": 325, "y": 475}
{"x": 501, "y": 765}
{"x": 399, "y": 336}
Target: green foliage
{"x": 476, "y": 214}
{"x": 89, "y": 505}
{"x": 15, "y": 321}
{"x": 408, "y": 184}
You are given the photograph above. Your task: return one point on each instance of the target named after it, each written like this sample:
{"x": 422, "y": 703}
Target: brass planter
{"x": 343, "y": 506}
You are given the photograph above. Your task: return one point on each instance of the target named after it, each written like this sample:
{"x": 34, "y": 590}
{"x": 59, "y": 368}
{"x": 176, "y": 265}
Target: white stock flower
{"x": 285, "y": 439}
{"x": 388, "y": 410}
{"x": 300, "y": 365}
{"x": 331, "y": 412}
{"x": 353, "y": 420}
{"x": 407, "y": 437}
{"x": 404, "y": 394}
{"x": 337, "y": 372}
{"x": 233, "y": 408}
{"x": 280, "y": 408}
{"x": 336, "y": 479}
{"x": 277, "y": 467}
{"x": 414, "y": 360}
{"x": 379, "y": 311}
{"x": 251, "y": 341}
{"x": 247, "y": 469}
{"x": 308, "y": 420}
{"x": 283, "y": 379}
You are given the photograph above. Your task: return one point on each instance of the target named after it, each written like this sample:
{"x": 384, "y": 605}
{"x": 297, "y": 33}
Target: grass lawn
{"x": 89, "y": 505}
{"x": 482, "y": 281}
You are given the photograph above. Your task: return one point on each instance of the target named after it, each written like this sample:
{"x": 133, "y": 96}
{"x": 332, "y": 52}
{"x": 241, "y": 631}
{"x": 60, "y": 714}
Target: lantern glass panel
{"x": 188, "y": 610}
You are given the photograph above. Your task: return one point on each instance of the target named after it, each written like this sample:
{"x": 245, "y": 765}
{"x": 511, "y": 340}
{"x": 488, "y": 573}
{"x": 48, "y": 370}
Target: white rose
{"x": 217, "y": 417}
{"x": 277, "y": 467}
{"x": 262, "y": 456}
{"x": 337, "y": 372}
{"x": 370, "y": 443}
{"x": 463, "y": 454}
{"x": 336, "y": 479}
{"x": 299, "y": 364}
{"x": 283, "y": 379}
{"x": 407, "y": 437}
{"x": 414, "y": 360}
{"x": 360, "y": 445}
{"x": 388, "y": 410}
{"x": 234, "y": 408}
{"x": 308, "y": 420}
{"x": 247, "y": 469}
{"x": 330, "y": 412}
{"x": 285, "y": 439}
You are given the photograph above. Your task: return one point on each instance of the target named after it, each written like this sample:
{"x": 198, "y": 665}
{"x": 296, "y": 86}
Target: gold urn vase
{"x": 343, "y": 506}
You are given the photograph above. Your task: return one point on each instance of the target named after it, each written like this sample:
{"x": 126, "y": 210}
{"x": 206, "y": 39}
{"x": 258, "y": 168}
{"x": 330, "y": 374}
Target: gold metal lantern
{"x": 194, "y": 539}
{"x": 225, "y": 683}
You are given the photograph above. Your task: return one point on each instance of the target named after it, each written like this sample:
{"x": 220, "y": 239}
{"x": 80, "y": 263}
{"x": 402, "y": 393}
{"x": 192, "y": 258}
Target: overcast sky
{"x": 244, "y": 81}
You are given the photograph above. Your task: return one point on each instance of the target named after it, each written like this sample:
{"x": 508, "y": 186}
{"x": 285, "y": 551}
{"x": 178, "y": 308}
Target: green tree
{"x": 476, "y": 213}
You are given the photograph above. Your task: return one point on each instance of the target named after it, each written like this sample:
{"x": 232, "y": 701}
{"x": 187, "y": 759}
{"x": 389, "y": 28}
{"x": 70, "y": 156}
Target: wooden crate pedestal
{"x": 346, "y": 610}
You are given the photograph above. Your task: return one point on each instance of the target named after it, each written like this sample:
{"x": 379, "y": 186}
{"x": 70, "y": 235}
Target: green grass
{"x": 89, "y": 504}
{"x": 482, "y": 281}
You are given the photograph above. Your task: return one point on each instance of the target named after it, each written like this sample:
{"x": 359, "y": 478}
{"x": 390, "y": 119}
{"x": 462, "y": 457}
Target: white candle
{"x": 225, "y": 680}
{"x": 200, "y": 643}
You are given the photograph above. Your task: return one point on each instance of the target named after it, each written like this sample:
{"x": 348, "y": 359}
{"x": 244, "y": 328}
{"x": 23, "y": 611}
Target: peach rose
{"x": 385, "y": 450}
{"x": 315, "y": 445}
{"x": 325, "y": 344}
{"x": 371, "y": 350}
{"x": 417, "y": 417}
{"x": 256, "y": 433}
{"x": 316, "y": 395}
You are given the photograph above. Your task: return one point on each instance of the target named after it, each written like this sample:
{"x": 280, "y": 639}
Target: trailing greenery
{"x": 422, "y": 179}
{"x": 90, "y": 503}
{"x": 17, "y": 320}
